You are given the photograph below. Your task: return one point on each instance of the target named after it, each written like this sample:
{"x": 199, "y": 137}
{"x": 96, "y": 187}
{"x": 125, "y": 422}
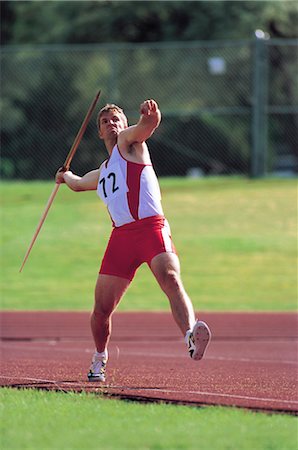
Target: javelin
{"x": 65, "y": 167}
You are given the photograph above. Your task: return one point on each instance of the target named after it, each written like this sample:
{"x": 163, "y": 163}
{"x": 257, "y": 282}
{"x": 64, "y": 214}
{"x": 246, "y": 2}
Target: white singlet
{"x": 130, "y": 190}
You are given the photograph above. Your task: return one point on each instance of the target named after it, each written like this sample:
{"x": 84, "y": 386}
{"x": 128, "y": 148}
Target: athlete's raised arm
{"x": 148, "y": 122}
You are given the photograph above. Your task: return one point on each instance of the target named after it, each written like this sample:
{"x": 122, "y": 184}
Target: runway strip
{"x": 251, "y": 361}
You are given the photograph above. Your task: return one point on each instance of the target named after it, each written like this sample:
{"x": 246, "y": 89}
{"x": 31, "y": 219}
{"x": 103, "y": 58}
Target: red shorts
{"x": 135, "y": 243}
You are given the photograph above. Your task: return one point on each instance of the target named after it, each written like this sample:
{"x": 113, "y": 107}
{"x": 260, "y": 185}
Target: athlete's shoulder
{"x": 136, "y": 153}
{"x": 103, "y": 164}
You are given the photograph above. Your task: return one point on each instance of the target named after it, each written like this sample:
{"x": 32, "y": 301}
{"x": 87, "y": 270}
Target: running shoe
{"x": 198, "y": 340}
{"x": 97, "y": 369}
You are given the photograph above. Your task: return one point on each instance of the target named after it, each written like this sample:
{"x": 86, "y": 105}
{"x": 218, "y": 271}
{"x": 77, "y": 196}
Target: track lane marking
{"x": 167, "y": 391}
{"x": 151, "y": 354}
{"x": 213, "y": 394}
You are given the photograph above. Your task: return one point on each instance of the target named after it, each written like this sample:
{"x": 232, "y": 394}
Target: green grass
{"x": 236, "y": 240}
{"x": 237, "y": 244}
{"x": 49, "y": 420}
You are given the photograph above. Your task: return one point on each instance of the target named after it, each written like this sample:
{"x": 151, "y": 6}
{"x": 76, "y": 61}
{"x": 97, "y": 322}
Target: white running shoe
{"x": 198, "y": 340}
{"x": 97, "y": 369}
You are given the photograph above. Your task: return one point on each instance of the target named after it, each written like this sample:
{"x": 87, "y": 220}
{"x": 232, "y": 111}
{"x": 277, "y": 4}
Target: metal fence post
{"x": 259, "y": 106}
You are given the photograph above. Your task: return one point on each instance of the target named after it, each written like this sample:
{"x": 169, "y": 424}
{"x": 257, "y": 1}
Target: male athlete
{"x": 127, "y": 184}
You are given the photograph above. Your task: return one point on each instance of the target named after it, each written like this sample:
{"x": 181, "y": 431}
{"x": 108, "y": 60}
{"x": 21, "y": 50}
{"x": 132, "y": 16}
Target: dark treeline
{"x": 45, "y": 91}
{"x": 58, "y": 22}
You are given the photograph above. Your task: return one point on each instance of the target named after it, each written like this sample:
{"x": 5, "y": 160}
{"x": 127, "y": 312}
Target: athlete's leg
{"x": 109, "y": 290}
{"x": 166, "y": 269}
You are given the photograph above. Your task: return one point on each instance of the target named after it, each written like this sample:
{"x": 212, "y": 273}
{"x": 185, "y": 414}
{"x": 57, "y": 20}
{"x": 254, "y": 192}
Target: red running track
{"x": 251, "y": 361}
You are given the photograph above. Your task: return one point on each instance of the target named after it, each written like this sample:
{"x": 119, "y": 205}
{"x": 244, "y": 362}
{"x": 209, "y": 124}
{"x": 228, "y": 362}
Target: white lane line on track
{"x": 215, "y": 358}
{"x": 213, "y": 394}
{"x": 166, "y": 391}
{"x": 38, "y": 380}
{"x": 151, "y": 354}
{"x": 41, "y": 380}
{"x": 52, "y": 345}
{"x": 254, "y": 360}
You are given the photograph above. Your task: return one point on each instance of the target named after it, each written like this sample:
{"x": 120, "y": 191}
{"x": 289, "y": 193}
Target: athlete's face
{"x": 111, "y": 123}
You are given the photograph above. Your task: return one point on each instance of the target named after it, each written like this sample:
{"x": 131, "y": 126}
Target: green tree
{"x": 43, "y": 95}
{"x": 57, "y": 22}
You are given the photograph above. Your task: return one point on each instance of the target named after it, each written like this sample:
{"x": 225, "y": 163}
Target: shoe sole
{"x": 202, "y": 337}
{"x": 94, "y": 378}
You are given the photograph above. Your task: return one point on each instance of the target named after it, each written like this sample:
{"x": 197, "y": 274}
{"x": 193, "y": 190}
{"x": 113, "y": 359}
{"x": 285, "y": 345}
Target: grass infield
{"x": 236, "y": 239}
{"x": 50, "y": 420}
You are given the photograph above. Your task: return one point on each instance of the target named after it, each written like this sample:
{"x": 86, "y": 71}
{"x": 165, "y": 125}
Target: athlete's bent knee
{"x": 100, "y": 313}
{"x": 170, "y": 281}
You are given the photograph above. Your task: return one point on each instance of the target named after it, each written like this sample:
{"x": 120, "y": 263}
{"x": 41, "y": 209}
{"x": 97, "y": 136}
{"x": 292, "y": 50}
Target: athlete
{"x": 127, "y": 184}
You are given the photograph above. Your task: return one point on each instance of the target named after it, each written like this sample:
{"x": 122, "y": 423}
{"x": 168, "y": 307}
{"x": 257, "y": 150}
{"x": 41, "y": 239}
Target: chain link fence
{"x": 228, "y": 107}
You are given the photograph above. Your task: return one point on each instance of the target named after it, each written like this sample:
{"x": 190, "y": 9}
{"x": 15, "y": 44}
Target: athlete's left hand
{"x": 149, "y": 107}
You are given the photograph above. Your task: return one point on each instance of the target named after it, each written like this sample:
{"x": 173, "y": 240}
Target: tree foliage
{"x": 45, "y": 91}
{"x": 58, "y": 22}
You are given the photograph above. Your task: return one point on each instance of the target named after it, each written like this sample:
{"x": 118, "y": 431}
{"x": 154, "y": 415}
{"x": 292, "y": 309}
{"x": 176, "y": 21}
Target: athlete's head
{"x": 111, "y": 120}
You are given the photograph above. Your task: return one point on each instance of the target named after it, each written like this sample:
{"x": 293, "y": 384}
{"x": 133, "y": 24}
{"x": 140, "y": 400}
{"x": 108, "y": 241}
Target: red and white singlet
{"x": 129, "y": 190}
{"x": 132, "y": 195}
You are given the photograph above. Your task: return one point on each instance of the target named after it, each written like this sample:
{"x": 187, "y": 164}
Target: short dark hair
{"x": 107, "y": 108}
